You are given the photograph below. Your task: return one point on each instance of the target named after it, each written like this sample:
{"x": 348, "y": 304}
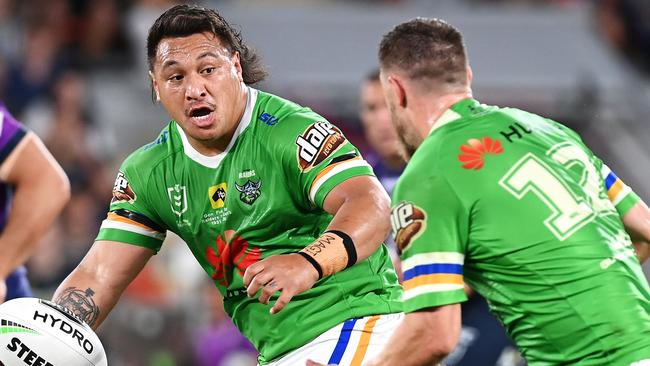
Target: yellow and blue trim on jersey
{"x": 616, "y": 189}
{"x": 432, "y": 272}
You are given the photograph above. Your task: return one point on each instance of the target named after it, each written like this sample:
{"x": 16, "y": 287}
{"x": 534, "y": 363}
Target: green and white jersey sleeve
{"x": 316, "y": 155}
{"x": 430, "y": 225}
{"x": 130, "y": 218}
{"x": 621, "y": 195}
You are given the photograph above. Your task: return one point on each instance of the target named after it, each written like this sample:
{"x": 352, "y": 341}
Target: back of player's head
{"x": 185, "y": 20}
{"x": 426, "y": 50}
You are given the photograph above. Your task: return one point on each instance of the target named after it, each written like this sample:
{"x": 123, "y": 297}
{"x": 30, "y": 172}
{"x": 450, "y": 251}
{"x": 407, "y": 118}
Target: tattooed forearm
{"x": 80, "y": 303}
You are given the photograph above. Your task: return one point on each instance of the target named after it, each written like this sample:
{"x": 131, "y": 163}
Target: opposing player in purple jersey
{"x": 33, "y": 190}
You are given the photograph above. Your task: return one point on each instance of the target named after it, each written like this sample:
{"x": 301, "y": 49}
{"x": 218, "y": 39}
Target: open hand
{"x": 291, "y": 274}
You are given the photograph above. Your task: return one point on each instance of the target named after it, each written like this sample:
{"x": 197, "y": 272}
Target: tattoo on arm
{"x": 80, "y": 303}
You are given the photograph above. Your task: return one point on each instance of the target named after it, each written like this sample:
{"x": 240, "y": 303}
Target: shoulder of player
{"x": 149, "y": 156}
{"x": 279, "y": 119}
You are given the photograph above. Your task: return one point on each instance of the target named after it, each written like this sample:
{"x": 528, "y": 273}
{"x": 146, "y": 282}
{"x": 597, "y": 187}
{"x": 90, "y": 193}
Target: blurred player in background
{"x": 483, "y": 340}
{"x": 269, "y": 196}
{"x": 515, "y": 205}
{"x": 33, "y": 191}
{"x": 385, "y": 157}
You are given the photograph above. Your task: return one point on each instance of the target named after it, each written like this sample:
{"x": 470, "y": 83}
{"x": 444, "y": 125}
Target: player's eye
{"x": 176, "y": 77}
{"x": 208, "y": 70}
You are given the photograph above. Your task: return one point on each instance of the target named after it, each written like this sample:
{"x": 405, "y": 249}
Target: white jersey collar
{"x": 214, "y": 161}
{"x": 447, "y": 117}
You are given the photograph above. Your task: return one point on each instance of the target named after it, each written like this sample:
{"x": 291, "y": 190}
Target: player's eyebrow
{"x": 207, "y": 54}
{"x": 170, "y": 63}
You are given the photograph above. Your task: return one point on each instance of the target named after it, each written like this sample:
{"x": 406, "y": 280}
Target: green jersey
{"x": 262, "y": 196}
{"x": 520, "y": 209}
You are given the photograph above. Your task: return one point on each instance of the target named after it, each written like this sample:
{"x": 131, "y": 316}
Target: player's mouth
{"x": 201, "y": 116}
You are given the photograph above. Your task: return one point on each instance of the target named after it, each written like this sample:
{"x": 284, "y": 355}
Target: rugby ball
{"x": 41, "y": 333}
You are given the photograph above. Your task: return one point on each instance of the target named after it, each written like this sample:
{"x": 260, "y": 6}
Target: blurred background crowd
{"x": 74, "y": 71}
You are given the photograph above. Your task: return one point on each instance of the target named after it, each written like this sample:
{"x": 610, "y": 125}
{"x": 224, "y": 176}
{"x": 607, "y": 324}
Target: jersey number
{"x": 570, "y": 212}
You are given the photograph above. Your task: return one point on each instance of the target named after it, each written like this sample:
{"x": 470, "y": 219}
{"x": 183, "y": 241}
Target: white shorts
{"x": 349, "y": 343}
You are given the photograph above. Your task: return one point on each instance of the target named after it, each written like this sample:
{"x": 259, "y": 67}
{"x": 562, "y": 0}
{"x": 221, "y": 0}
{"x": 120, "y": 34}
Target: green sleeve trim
{"x": 129, "y": 238}
{"x": 335, "y": 180}
{"x": 433, "y": 299}
{"x": 627, "y": 203}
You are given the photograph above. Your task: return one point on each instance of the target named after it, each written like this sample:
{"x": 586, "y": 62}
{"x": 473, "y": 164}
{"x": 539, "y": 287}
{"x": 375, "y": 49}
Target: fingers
{"x": 252, "y": 271}
{"x": 282, "y": 301}
{"x": 269, "y": 289}
{"x": 257, "y": 282}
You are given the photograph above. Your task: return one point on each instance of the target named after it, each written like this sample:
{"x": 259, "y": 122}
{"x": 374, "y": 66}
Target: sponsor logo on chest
{"x": 217, "y": 195}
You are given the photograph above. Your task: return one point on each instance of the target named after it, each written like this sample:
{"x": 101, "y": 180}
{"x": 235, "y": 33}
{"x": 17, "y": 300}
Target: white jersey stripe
{"x": 337, "y": 169}
{"x": 425, "y": 289}
{"x": 110, "y": 224}
{"x": 432, "y": 258}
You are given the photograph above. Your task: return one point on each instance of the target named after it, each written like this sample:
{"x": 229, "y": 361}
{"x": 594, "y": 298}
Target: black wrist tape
{"x": 349, "y": 246}
{"x": 313, "y": 262}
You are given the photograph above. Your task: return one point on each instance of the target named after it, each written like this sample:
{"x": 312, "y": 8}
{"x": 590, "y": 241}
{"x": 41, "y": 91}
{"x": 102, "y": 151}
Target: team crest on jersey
{"x": 122, "y": 191}
{"x": 249, "y": 192}
{"x": 178, "y": 199}
{"x": 217, "y": 195}
{"x": 408, "y": 222}
{"x": 471, "y": 154}
{"x": 319, "y": 141}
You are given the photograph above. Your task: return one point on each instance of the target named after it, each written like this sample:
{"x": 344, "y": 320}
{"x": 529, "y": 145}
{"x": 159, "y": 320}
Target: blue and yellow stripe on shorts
{"x": 343, "y": 343}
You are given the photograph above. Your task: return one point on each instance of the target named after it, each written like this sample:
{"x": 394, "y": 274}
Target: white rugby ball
{"x": 40, "y": 333}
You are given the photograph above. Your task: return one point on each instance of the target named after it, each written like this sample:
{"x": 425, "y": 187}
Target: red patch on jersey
{"x": 232, "y": 252}
{"x": 472, "y": 154}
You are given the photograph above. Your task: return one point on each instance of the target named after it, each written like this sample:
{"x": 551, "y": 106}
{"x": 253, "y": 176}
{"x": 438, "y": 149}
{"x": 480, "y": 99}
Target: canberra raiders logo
{"x": 249, "y": 192}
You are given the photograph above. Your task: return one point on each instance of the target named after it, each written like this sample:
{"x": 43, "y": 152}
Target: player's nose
{"x": 195, "y": 88}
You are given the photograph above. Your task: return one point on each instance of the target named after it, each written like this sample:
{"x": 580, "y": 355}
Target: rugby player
{"x": 272, "y": 200}
{"x": 33, "y": 191}
{"x": 515, "y": 205}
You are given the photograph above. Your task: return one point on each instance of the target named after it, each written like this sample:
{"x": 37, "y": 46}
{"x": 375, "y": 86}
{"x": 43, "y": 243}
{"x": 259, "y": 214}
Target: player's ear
{"x": 397, "y": 87}
{"x": 470, "y": 75}
{"x": 237, "y": 62}
{"x": 155, "y": 94}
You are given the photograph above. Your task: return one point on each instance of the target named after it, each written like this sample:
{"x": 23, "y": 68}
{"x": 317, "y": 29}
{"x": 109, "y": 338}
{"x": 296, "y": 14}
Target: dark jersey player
{"x": 33, "y": 190}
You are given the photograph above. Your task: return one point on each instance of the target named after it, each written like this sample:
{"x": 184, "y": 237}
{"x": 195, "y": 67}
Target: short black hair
{"x": 425, "y": 48}
{"x": 185, "y": 20}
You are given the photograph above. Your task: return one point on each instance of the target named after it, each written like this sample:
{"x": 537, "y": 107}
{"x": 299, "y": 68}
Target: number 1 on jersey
{"x": 532, "y": 174}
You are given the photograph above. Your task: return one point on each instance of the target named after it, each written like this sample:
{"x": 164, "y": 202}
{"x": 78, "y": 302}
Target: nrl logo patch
{"x": 178, "y": 199}
{"x": 122, "y": 191}
{"x": 249, "y": 192}
{"x": 408, "y": 222}
{"x": 317, "y": 143}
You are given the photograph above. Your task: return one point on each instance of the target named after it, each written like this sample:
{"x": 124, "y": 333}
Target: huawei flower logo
{"x": 232, "y": 255}
{"x": 472, "y": 154}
